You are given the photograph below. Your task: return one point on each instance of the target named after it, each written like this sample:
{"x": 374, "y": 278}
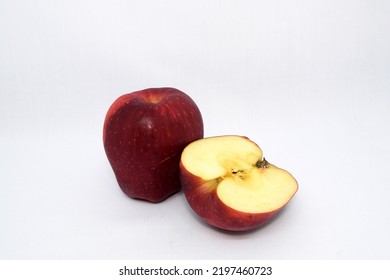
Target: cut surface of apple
{"x": 230, "y": 172}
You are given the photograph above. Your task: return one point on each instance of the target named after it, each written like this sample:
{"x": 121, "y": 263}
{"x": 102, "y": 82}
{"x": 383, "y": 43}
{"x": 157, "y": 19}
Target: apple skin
{"x": 203, "y": 199}
{"x": 144, "y": 134}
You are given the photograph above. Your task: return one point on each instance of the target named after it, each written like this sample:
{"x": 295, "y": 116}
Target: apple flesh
{"x": 229, "y": 184}
{"x": 144, "y": 134}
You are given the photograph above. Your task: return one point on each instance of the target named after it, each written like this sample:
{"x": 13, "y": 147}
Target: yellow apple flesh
{"x": 229, "y": 184}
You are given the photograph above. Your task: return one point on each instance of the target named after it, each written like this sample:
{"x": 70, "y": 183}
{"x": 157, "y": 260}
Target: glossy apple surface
{"x": 144, "y": 134}
{"x": 229, "y": 184}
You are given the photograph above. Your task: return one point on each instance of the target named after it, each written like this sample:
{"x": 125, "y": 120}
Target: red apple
{"x": 229, "y": 184}
{"x": 144, "y": 134}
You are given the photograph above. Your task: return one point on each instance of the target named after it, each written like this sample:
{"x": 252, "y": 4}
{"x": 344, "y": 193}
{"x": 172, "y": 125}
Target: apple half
{"x": 229, "y": 184}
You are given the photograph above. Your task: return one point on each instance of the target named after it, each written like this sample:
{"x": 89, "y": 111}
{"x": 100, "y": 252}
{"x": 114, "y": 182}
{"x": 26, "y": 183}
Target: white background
{"x": 309, "y": 81}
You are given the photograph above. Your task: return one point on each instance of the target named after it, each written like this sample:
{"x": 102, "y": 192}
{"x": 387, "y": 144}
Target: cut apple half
{"x": 229, "y": 184}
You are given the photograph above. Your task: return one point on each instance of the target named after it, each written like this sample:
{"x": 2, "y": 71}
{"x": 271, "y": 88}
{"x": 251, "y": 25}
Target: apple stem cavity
{"x": 262, "y": 163}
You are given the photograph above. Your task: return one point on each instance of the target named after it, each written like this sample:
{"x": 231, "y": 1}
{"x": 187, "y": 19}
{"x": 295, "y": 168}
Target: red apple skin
{"x": 144, "y": 134}
{"x": 203, "y": 199}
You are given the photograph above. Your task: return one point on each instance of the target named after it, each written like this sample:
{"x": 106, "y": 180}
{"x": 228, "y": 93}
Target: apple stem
{"x": 262, "y": 163}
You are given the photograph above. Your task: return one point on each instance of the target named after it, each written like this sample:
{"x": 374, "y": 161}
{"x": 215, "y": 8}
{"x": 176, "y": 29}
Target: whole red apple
{"x": 144, "y": 135}
{"x": 229, "y": 184}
